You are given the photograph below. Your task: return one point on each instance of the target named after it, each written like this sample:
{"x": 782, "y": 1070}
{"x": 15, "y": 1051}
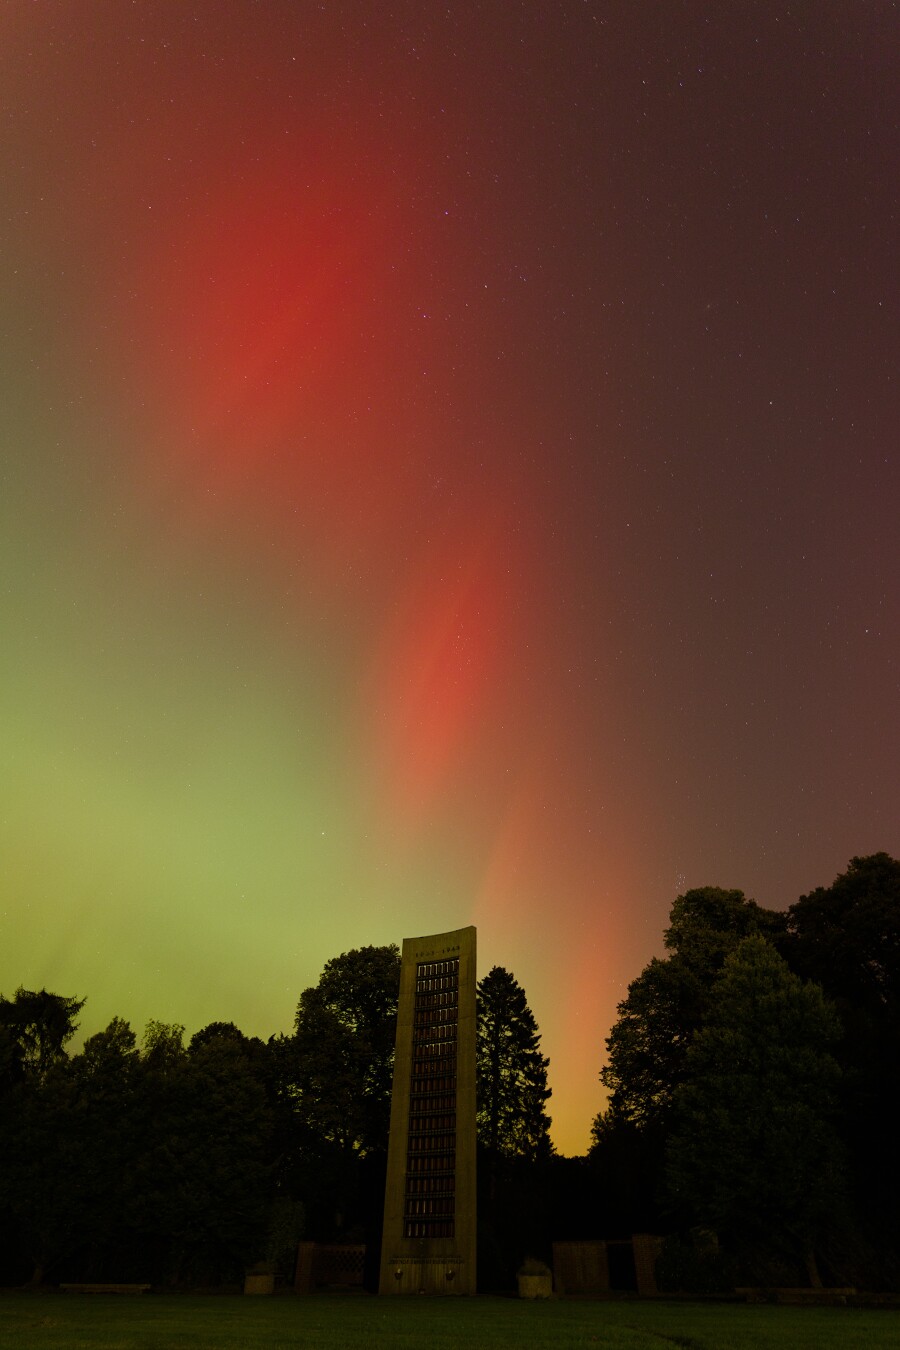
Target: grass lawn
{"x": 156, "y": 1322}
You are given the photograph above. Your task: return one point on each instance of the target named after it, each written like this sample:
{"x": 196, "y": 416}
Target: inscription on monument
{"x": 431, "y": 1141}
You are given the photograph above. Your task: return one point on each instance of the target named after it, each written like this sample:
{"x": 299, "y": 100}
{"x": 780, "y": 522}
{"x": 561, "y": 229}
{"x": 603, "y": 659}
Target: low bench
{"x": 798, "y": 1296}
{"x": 105, "y": 1288}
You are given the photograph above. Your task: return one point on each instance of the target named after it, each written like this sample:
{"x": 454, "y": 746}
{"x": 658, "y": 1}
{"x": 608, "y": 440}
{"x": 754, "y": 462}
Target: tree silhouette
{"x": 38, "y": 1025}
{"x": 847, "y": 937}
{"x": 511, "y": 1072}
{"x": 345, "y": 1030}
{"x": 755, "y": 1153}
{"x": 669, "y": 1000}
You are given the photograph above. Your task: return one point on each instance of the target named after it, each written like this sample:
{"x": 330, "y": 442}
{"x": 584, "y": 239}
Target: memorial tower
{"x": 428, "y": 1241}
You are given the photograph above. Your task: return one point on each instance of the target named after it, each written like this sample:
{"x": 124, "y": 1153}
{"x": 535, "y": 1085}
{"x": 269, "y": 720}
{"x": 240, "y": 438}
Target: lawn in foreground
{"x": 108, "y": 1322}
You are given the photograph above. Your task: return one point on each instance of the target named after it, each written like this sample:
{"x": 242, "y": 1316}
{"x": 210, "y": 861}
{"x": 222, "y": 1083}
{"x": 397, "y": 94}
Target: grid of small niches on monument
{"x": 431, "y": 1144}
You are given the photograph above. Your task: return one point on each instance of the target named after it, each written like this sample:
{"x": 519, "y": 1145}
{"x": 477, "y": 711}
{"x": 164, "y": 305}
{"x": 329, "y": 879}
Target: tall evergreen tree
{"x": 36, "y": 1027}
{"x": 511, "y": 1072}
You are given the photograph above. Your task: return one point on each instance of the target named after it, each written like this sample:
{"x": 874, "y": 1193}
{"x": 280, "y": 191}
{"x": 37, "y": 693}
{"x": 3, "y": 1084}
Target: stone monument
{"x": 428, "y": 1241}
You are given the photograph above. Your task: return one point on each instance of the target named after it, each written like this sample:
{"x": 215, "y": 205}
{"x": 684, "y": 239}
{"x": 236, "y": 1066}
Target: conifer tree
{"x": 511, "y": 1072}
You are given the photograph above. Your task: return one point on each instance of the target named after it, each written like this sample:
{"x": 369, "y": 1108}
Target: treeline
{"x": 753, "y": 1077}
{"x": 189, "y": 1164}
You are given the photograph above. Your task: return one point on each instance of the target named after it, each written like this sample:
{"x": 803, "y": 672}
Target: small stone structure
{"x": 259, "y": 1282}
{"x": 646, "y": 1247}
{"x": 583, "y": 1267}
{"x": 322, "y": 1265}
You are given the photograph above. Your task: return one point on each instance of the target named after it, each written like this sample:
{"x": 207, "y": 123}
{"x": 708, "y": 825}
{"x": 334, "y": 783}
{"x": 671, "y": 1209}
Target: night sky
{"x": 449, "y": 475}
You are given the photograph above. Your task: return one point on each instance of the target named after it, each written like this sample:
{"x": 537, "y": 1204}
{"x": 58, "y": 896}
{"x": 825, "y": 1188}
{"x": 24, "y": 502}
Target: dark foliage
{"x": 744, "y": 1086}
{"x": 330, "y": 1088}
{"x": 772, "y": 1098}
{"x": 35, "y": 1027}
{"x": 754, "y": 1155}
{"x": 847, "y": 938}
{"x": 511, "y": 1072}
{"x": 667, "y": 1003}
{"x": 344, "y": 1036}
{"x": 515, "y": 1197}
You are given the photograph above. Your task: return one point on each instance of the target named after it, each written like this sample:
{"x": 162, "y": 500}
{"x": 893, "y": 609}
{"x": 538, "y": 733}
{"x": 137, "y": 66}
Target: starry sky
{"x": 448, "y": 475}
